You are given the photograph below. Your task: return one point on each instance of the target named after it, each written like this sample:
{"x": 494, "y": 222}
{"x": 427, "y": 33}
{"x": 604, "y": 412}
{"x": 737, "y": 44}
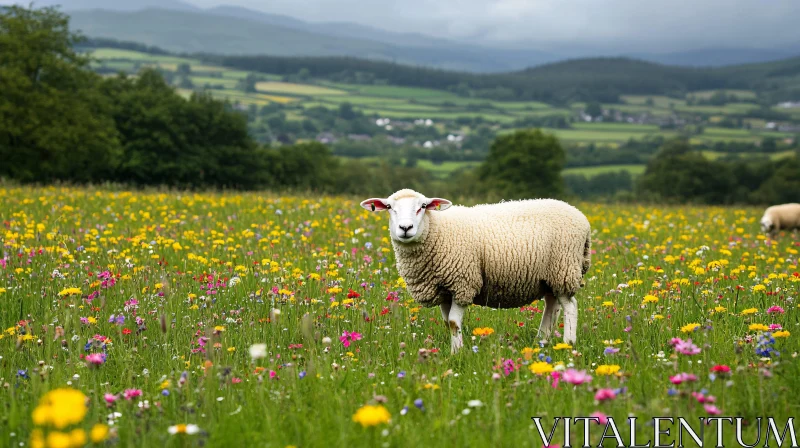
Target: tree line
{"x": 59, "y": 121}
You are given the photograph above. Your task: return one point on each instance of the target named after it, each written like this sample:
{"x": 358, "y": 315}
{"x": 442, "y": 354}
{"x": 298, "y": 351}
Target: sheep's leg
{"x": 455, "y": 317}
{"x": 445, "y": 307}
{"x": 550, "y": 316}
{"x": 570, "y": 306}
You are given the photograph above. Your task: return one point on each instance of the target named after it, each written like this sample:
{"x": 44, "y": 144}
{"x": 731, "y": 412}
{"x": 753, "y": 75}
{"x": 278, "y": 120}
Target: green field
{"x": 407, "y": 103}
{"x": 162, "y": 318}
{"x": 591, "y": 171}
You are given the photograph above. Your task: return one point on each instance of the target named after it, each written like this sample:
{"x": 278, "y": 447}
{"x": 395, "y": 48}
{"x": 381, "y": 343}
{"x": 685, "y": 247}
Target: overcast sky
{"x": 663, "y": 25}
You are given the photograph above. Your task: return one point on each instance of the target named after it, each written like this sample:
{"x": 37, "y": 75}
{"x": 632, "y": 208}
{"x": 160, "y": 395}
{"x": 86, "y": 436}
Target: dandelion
{"x": 781, "y": 334}
{"x": 540, "y": 368}
{"x": 562, "y": 346}
{"x": 758, "y": 327}
{"x": 650, "y": 299}
{"x": 98, "y": 433}
{"x": 749, "y": 311}
{"x": 606, "y": 369}
{"x": 690, "y": 328}
{"x": 371, "y": 415}
{"x": 60, "y": 408}
{"x": 69, "y": 292}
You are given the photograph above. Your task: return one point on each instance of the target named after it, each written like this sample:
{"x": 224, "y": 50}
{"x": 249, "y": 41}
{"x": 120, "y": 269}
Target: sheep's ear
{"x": 374, "y": 204}
{"x": 438, "y": 204}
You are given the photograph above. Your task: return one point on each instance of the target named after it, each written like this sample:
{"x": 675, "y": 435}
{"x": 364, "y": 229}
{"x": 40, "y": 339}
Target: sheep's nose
{"x": 406, "y": 228}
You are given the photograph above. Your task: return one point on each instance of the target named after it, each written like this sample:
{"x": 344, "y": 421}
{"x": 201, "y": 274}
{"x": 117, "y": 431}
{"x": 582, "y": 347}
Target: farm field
{"x": 590, "y": 171}
{"x": 413, "y": 103}
{"x": 281, "y": 321}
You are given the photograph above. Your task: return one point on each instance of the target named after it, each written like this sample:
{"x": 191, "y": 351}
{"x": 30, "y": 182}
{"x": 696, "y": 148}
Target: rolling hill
{"x": 181, "y": 27}
{"x": 229, "y": 33}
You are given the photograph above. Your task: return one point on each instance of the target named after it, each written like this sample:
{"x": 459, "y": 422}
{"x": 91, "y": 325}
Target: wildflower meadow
{"x": 164, "y": 318}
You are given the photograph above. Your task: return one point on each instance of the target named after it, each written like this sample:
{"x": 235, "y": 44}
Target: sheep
{"x": 780, "y": 217}
{"x": 503, "y": 255}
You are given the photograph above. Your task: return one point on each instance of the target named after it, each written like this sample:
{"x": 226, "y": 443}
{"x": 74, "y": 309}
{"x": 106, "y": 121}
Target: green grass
{"x": 591, "y": 171}
{"x": 659, "y": 101}
{"x": 411, "y": 103}
{"x": 404, "y": 92}
{"x": 741, "y": 94}
{"x": 177, "y": 254}
{"x": 445, "y": 168}
{"x": 295, "y": 89}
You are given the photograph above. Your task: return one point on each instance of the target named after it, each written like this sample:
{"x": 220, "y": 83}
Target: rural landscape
{"x": 186, "y": 260}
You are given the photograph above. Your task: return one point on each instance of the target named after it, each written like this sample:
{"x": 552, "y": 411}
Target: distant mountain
{"x": 237, "y": 31}
{"x": 182, "y": 27}
{"x": 717, "y": 57}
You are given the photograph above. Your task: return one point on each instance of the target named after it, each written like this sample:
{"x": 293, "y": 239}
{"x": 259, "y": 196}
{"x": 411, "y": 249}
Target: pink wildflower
{"x": 773, "y": 327}
{"x": 347, "y": 337}
{"x": 602, "y": 419}
{"x": 683, "y": 378}
{"x": 130, "y": 394}
{"x": 713, "y": 410}
{"x": 110, "y": 399}
{"x": 604, "y": 394}
{"x": 555, "y": 376}
{"x": 96, "y": 359}
{"x": 775, "y": 310}
{"x": 576, "y": 377}
{"x": 686, "y": 347}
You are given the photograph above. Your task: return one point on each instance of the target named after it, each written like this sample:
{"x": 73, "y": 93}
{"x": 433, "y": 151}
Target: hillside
{"x": 237, "y": 31}
{"x": 233, "y": 30}
{"x": 596, "y": 79}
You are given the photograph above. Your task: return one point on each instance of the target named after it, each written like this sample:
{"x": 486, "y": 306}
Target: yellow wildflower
{"x": 370, "y": 415}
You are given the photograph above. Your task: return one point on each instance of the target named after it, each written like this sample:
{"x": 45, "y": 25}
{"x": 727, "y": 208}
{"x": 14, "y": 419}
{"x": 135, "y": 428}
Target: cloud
{"x": 618, "y": 25}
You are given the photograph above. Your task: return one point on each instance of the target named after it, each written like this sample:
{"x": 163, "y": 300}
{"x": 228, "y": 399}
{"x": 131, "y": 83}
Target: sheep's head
{"x": 766, "y": 224}
{"x": 406, "y": 212}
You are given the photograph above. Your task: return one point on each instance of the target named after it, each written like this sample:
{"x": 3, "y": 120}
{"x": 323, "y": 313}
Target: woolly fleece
{"x": 783, "y": 217}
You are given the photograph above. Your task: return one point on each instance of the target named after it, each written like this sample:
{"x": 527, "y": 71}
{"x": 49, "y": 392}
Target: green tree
{"x": 678, "y": 173}
{"x": 172, "y": 141}
{"x": 54, "y": 124}
{"x": 784, "y": 184}
{"x": 525, "y": 164}
{"x": 594, "y": 109}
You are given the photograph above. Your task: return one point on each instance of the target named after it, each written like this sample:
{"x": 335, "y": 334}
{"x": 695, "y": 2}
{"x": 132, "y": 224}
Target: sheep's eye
{"x": 388, "y": 207}
{"x": 424, "y": 205}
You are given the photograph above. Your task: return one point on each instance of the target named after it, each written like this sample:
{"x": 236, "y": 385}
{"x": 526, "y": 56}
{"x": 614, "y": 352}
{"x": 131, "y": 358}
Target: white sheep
{"x": 502, "y": 255}
{"x": 780, "y": 217}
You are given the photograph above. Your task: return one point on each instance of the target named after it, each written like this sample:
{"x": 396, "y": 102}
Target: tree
{"x": 678, "y": 173}
{"x": 594, "y": 109}
{"x": 54, "y": 124}
{"x": 525, "y": 164}
{"x": 169, "y": 140}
